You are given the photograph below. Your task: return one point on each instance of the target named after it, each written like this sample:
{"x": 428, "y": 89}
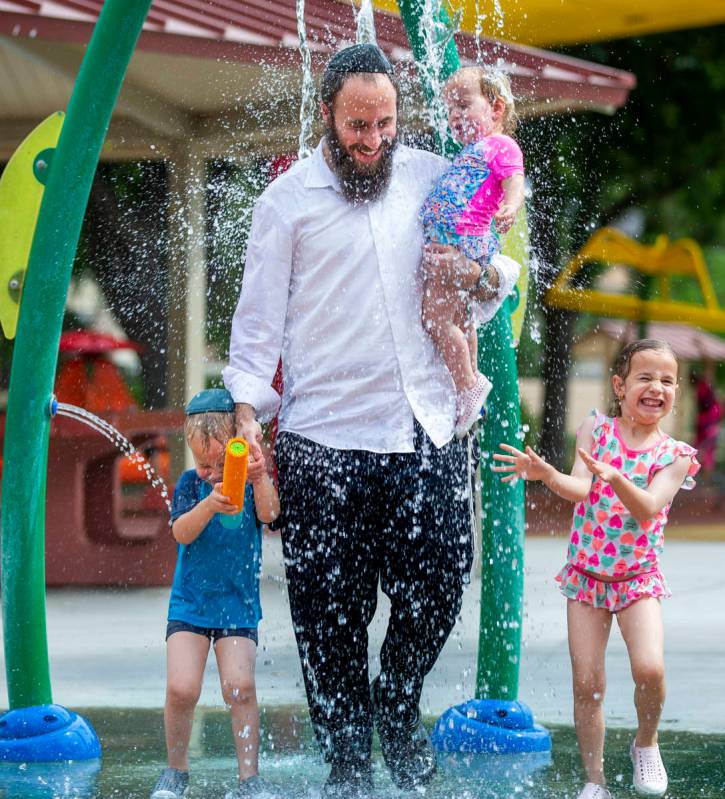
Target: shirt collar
{"x": 319, "y": 175}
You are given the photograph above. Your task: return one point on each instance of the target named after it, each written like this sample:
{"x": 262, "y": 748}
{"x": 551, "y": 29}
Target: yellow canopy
{"x": 546, "y": 23}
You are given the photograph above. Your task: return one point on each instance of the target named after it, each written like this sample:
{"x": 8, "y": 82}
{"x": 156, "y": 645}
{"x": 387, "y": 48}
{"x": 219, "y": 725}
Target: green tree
{"x": 662, "y": 153}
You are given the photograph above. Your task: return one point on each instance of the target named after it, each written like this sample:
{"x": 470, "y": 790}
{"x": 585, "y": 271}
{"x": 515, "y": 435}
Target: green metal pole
{"x": 411, "y": 12}
{"x": 36, "y": 347}
{"x": 502, "y": 524}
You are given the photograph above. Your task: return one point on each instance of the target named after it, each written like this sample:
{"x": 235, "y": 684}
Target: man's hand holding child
{"x": 447, "y": 265}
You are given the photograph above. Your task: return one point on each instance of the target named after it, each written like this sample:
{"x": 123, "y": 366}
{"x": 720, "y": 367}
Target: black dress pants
{"x": 351, "y": 518}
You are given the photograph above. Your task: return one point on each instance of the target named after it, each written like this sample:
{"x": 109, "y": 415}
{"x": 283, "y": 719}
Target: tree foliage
{"x": 662, "y": 154}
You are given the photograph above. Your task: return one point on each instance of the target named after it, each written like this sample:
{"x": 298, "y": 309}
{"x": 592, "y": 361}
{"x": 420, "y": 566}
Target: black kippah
{"x": 360, "y": 58}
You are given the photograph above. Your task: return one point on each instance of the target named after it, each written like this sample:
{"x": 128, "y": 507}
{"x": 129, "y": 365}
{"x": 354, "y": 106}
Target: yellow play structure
{"x": 661, "y": 261}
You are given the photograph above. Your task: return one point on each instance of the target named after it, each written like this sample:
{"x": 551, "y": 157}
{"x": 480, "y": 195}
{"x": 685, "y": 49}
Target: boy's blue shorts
{"x": 212, "y": 633}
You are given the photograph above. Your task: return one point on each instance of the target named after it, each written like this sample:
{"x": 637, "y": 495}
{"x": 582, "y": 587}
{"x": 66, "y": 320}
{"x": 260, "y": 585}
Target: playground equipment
{"x": 658, "y": 264}
{"x": 542, "y": 23}
{"x": 104, "y": 529}
{"x": 20, "y": 199}
{"x": 235, "y": 471}
{"x": 481, "y": 724}
{"x": 87, "y": 377}
{"x": 477, "y": 727}
{"x": 69, "y": 175}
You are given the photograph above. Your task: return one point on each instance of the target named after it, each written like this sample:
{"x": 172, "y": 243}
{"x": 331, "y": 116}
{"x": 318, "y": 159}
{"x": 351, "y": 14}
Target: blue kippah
{"x": 211, "y": 400}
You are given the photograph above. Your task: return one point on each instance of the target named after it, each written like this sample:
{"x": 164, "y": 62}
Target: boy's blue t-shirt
{"x": 216, "y": 582}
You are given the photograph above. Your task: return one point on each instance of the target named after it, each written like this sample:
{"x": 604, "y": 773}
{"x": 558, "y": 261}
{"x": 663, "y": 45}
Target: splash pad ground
{"x": 107, "y": 655}
{"x": 134, "y": 756}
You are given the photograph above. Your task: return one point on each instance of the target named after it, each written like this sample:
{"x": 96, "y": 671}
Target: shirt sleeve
{"x": 258, "y": 322}
{"x": 504, "y": 157}
{"x": 508, "y": 273}
{"x": 186, "y": 495}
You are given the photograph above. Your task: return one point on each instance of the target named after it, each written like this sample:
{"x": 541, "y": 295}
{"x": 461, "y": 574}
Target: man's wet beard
{"x": 360, "y": 184}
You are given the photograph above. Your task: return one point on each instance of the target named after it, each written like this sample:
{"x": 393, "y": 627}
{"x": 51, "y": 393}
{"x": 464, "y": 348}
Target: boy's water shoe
{"x": 172, "y": 784}
{"x": 254, "y": 787}
{"x": 469, "y": 405}
{"x": 649, "y": 775}
{"x": 594, "y": 791}
{"x": 407, "y": 750}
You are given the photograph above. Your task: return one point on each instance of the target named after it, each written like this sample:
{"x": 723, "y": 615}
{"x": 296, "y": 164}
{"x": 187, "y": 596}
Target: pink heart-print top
{"x": 605, "y": 538}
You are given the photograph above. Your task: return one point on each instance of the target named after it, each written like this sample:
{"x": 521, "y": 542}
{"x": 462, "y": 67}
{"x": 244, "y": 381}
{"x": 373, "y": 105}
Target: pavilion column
{"x": 187, "y": 284}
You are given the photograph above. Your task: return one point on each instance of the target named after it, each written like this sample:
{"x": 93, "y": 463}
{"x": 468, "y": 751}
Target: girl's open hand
{"x": 527, "y": 465}
{"x": 598, "y": 468}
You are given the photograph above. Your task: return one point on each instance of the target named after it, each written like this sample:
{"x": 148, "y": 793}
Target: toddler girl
{"x": 625, "y": 476}
{"x": 472, "y": 203}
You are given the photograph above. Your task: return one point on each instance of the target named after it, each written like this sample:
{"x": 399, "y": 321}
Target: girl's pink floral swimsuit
{"x": 606, "y": 539}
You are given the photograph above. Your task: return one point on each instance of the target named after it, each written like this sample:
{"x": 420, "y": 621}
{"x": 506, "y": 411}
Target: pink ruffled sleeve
{"x": 671, "y": 451}
{"x": 504, "y": 157}
{"x": 601, "y": 429}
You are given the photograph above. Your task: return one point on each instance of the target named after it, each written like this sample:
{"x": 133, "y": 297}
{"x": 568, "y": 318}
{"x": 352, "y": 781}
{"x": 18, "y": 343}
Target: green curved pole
{"x": 36, "y": 347}
{"x": 502, "y": 524}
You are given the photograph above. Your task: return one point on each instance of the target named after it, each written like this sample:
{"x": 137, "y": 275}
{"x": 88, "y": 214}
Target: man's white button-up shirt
{"x": 335, "y": 289}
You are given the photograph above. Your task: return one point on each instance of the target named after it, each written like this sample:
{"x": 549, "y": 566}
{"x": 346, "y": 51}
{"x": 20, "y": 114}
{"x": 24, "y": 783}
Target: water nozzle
{"x": 53, "y": 406}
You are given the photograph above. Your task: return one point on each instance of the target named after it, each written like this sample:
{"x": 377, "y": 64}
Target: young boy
{"x": 215, "y": 595}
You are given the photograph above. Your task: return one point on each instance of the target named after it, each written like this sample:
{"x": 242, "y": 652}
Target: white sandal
{"x": 469, "y": 404}
{"x": 593, "y": 790}
{"x": 649, "y": 776}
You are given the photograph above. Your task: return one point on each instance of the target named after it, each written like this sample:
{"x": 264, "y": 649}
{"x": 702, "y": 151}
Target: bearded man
{"x": 373, "y": 486}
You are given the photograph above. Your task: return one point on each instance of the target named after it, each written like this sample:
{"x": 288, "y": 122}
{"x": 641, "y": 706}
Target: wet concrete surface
{"x": 107, "y": 645}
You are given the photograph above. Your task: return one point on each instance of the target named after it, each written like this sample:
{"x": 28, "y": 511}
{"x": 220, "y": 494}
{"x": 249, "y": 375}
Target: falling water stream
{"x": 436, "y": 36}
{"x": 499, "y": 15}
{"x": 307, "y": 105}
{"x": 365, "y": 22}
{"x": 117, "y": 438}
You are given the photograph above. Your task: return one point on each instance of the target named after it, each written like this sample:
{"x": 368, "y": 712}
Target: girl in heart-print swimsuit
{"x": 613, "y": 559}
{"x": 625, "y": 475}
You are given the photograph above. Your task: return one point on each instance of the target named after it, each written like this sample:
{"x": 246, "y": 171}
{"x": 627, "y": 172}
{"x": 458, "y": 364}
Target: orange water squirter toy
{"x": 235, "y": 471}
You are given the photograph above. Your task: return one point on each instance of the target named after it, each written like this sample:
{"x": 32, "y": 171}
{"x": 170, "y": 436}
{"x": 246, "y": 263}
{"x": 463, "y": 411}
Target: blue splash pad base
{"x": 46, "y": 734}
{"x": 491, "y": 726}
